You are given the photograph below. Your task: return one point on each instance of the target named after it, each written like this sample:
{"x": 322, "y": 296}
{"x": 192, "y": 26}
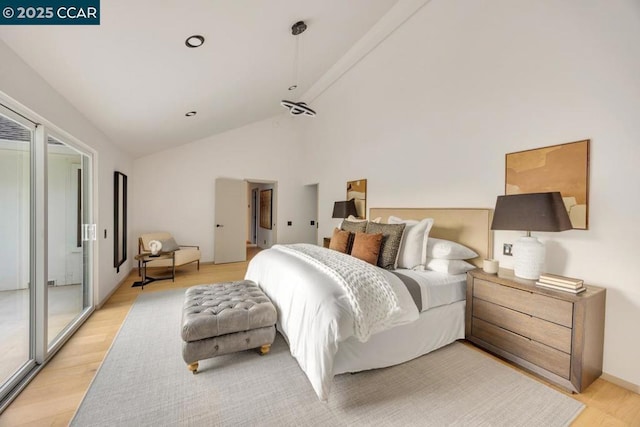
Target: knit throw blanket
{"x": 373, "y": 300}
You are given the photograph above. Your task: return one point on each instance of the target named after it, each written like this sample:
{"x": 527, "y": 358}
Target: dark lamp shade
{"x": 531, "y": 212}
{"x": 344, "y": 209}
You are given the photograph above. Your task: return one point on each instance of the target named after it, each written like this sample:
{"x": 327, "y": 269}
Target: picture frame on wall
{"x": 562, "y": 167}
{"x": 266, "y": 209}
{"x": 357, "y": 190}
{"x": 119, "y": 219}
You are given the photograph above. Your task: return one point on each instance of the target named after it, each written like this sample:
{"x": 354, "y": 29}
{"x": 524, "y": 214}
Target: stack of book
{"x": 560, "y": 283}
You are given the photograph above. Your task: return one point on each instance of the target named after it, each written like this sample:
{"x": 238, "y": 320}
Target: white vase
{"x": 528, "y": 254}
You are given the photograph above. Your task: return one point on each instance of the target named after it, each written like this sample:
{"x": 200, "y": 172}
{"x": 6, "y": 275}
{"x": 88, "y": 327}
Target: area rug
{"x": 143, "y": 381}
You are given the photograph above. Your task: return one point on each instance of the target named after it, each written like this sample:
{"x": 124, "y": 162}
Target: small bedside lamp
{"x": 530, "y": 212}
{"x": 344, "y": 209}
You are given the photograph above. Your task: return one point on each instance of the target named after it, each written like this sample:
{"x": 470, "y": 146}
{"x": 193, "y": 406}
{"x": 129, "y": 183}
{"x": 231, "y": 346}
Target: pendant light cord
{"x": 296, "y": 62}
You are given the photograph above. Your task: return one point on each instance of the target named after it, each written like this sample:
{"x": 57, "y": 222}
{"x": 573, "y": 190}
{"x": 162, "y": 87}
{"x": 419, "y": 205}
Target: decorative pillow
{"x": 449, "y": 266}
{"x": 446, "y": 249}
{"x": 391, "y": 240}
{"x": 353, "y": 227}
{"x": 413, "y": 250}
{"x": 367, "y": 247}
{"x": 340, "y": 240}
{"x": 169, "y": 245}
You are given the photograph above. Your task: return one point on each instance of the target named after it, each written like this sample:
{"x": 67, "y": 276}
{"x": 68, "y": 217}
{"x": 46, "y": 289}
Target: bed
{"x": 329, "y": 335}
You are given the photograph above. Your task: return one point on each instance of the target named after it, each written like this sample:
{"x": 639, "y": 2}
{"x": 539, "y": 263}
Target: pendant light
{"x": 297, "y": 108}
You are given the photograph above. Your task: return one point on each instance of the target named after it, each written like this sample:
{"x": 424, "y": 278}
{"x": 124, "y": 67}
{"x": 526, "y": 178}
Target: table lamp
{"x": 530, "y": 212}
{"x": 344, "y": 209}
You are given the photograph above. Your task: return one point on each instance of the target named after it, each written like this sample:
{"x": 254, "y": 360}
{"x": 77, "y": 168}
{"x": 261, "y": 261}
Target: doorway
{"x": 252, "y": 238}
{"x": 310, "y": 211}
{"x": 263, "y": 231}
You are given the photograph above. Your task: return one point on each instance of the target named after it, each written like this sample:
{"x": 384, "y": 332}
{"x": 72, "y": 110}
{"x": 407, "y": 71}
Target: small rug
{"x": 143, "y": 381}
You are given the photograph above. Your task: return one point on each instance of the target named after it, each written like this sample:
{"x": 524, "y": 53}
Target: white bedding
{"x": 315, "y": 315}
{"x": 438, "y": 288}
{"x": 434, "y": 328}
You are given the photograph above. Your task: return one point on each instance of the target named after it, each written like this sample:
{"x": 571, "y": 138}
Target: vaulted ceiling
{"x": 134, "y": 79}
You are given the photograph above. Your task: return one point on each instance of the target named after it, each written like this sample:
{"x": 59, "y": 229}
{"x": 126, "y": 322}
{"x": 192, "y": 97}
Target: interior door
{"x": 230, "y": 233}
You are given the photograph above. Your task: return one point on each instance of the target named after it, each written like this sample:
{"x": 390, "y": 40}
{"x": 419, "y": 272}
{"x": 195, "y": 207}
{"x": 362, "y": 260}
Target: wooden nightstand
{"x": 326, "y": 241}
{"x": 557, "y": 335}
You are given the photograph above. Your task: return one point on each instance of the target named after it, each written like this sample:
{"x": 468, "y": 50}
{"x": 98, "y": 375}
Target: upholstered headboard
{"x": 467, "y": 226}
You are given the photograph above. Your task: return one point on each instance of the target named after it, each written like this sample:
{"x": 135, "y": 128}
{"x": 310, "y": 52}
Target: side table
{"x": 145, "y": 258}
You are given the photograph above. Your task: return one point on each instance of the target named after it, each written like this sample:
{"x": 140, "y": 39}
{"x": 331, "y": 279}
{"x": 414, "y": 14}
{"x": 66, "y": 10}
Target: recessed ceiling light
{"x": 194, "y": 41}
{"x": 191, "y": 113}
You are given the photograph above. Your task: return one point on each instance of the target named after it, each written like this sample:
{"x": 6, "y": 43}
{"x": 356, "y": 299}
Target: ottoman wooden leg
{"x": 193, "y": 367}
{"x": 265, "y": 349}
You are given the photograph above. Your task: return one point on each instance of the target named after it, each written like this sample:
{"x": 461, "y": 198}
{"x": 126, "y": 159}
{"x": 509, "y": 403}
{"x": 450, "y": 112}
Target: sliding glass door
{"x": 46, "y": 244}
{"x": 17, "y": 354}
{"x": 68, "y": 246}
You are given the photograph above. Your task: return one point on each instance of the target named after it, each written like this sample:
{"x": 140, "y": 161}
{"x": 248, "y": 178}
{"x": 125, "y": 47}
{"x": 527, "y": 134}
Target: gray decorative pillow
{"x": 353, "y": 227}
{"x": 391, "y": 239}
{"x": 169, "y": 245}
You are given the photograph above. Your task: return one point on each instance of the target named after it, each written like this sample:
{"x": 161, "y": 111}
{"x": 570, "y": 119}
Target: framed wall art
{"x": 119, "y": 219}
{"x": 266, "y": 208}
{"x": 357, "y": 190}
{"x": 563, "y": 168}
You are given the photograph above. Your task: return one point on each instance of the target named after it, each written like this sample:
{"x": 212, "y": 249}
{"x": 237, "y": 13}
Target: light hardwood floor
{"x": 53, "y": 396}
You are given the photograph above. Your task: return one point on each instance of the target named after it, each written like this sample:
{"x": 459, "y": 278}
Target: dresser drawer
{"x": 548, "y": 333}
{"x": 541, "y": 306}
{"x": 539, "y": 354}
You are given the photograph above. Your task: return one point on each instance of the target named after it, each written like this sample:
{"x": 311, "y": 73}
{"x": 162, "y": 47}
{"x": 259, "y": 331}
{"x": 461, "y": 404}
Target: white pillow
{"x": 449, "y": 266}
{"x": 446, "y": 249}
{"x": 413, "y": 248}
{"x": 354, "y": 219}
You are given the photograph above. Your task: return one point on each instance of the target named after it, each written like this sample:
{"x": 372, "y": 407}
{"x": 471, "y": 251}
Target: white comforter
{"x": 315, "y": 313}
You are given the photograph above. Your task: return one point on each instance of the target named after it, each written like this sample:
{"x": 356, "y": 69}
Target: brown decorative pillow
{"x": 340, "y": 240}
{"x": 353, "y": 227}
{"x": 391, "y": 239}
{"x": 367, "y": 247}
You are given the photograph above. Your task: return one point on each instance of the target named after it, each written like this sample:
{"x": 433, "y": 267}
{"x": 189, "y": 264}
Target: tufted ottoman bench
{"x": 223, "y": 318}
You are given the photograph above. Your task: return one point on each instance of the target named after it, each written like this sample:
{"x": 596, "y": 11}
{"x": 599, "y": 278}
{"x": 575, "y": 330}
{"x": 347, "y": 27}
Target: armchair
{"x": 185, "y": 254}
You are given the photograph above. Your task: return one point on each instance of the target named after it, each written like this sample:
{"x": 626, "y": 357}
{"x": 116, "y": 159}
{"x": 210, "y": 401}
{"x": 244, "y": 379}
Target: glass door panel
{"x": 68, "y": 252}
{"x": 16, "y": 292}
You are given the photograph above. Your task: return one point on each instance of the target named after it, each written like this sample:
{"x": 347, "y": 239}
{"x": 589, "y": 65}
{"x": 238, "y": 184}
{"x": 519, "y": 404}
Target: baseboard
{"x": 113, "y": 291}
{"x": 621, "y": 383}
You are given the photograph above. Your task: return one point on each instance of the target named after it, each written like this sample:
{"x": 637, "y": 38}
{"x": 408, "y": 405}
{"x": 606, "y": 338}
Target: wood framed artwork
{"x": 266, "y": 208}
{"x": 563, "y": 168}
{"x": 357, "y": 190}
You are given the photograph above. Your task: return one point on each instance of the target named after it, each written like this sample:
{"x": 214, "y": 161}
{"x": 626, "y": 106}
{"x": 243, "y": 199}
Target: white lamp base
{"x": 528, "y": 254}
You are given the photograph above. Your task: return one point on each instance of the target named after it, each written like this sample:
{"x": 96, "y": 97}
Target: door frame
{"x": 254, "y": 215}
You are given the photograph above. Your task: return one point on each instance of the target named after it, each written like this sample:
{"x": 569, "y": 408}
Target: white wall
{"x": 20, "y": 82}
{"x": 174, "y": 190}
{"x": 428, "y": 116}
